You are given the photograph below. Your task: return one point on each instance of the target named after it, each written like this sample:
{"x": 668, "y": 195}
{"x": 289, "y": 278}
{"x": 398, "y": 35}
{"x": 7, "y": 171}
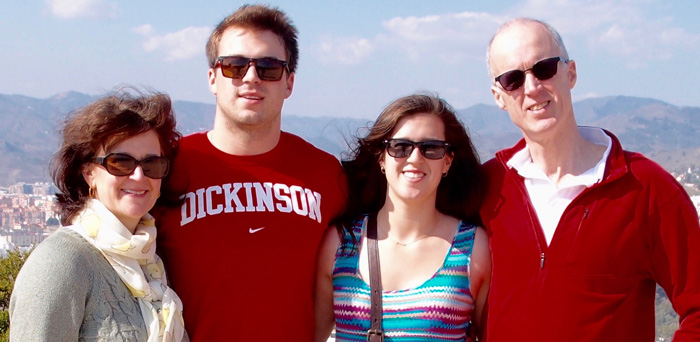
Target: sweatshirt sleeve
{"x": 675, "y": 245}
{"x": 48, "y": 301}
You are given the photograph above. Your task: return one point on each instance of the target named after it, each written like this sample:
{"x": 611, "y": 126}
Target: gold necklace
{"x": 407, "y": 243}
{"x": 404, "y": 244}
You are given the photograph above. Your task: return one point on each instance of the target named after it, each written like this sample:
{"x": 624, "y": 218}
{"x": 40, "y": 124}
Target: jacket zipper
{"x": 526, "y": 198}
{"x": 542, "y": 256}
{"x": 606, "y": 179}
{"x": 585, "y": 214}
{"x": 542, "y": 260}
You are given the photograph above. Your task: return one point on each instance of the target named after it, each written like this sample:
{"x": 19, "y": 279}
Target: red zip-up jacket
{"x": 596, "y": 281}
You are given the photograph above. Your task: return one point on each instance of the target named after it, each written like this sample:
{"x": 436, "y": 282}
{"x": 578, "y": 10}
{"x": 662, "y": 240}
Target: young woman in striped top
{"x": 417, "y": 172}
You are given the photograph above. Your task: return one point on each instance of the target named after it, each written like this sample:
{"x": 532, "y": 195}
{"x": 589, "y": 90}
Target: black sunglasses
{"x": 267, "y": 68}
{"x": 543, "y": 70}
{"x": 402, "y": 148}
{"x": 122, "y": 164}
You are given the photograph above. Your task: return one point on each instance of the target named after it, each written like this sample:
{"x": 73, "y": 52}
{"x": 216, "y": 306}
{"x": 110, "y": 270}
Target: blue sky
{"x": 356, "y": 56}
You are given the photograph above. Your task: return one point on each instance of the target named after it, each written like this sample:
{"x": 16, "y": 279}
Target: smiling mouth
{"x": 539, "y": 106}
{"x": 134, "y": 192}
{"x": 413, "y": 174}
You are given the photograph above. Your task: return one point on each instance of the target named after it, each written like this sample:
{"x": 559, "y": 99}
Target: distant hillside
{"x": 663, "y": 132}
{"x": 28, "y": 134}
{"x": 29, "y": 129}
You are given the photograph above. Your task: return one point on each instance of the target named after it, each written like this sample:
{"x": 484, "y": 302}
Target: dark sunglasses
{"x": 543, "y": 70}
{"x": 122, "y": 164}
{"x": 402, "y": 148}
{"x": 267, "y": 68}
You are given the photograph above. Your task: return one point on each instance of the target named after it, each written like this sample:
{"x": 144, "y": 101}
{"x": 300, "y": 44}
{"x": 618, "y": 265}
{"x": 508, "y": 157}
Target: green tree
{"x": 10, "y": 265}
{"x": 666, "y": 317}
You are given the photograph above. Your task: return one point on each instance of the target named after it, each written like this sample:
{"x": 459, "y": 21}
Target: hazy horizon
{"x": 355, "y": 56}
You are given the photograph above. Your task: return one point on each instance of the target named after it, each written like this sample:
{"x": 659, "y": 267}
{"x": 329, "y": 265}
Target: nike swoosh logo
{"x": 251, "y": 230}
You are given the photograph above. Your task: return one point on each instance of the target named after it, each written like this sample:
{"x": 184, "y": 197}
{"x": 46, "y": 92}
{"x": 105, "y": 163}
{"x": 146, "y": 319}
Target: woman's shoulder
{"x": 62, "y": 256}
{"x": 467, "y": 227}
{"x": 65, "y": 264}
{"x": 342, "y": 239}
{"x": 67, "y": 243}
{"x": 56, "y": 272}
{"x": 64, "y": 283}
{"x": 466, "y": 235}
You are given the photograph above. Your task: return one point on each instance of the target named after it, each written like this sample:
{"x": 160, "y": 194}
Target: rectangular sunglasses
{"x": 542, "y": 70}
{"x": 267, "y": 68}
{"x": 430, "y": 149}
{"x": 122, "y": 164}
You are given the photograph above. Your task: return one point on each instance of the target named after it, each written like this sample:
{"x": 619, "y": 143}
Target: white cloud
{"x": 71, "y": 9}
{"x": 589, "y": 95}
{"x": 450, "y": 38}
{"x": 145, "y": 30}
{"x": 642, "y": 42}
{"x": 180, "y": 45}
{"x": 345, "y": 50}
{"x": 626, "y": 29}
{"x": 466, "y": 26}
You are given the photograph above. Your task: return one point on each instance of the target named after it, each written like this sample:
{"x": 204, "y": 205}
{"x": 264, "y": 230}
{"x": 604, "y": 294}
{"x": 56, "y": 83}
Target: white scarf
{"x": 133, "y": 257}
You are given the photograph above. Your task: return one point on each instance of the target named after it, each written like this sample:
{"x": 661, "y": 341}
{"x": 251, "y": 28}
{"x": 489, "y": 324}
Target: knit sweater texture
{"x": 67, "y": 291}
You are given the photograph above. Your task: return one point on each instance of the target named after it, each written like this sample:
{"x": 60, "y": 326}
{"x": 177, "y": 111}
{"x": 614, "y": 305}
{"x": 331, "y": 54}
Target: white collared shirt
{"x": 549, "y": 200}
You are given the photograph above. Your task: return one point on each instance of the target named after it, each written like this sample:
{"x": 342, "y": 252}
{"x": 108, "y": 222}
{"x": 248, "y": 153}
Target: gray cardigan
{"x": 67, "y": 291}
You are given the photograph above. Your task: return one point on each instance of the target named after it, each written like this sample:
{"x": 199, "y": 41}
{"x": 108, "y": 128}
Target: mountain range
{"x": 30, "y": 128}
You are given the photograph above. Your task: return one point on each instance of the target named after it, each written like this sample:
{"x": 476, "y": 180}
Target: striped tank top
{"x": 438, "y": 310}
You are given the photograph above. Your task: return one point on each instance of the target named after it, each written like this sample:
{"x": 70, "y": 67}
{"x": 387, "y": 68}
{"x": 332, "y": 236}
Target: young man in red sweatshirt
{"x": 256, "y": 200}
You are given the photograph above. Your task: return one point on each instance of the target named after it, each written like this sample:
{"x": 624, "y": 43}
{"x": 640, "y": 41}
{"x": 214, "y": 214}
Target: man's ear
{"x": 571, "y": 72}
{"x": 290, "y": 84}
{"x": 211, "y": 80}
{"x": 498, "y": 97}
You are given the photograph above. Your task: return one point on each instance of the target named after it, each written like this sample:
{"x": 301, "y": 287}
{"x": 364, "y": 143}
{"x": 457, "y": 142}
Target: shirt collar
{"x": 522, "y": 162}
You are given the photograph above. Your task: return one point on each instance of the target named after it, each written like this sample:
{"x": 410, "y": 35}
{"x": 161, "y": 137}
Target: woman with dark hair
{"x": 415, "y": 184}
{"x": 98, "y": 277}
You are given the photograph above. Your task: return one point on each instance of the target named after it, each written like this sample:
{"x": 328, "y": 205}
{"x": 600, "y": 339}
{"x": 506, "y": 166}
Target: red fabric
{"x": 596, "y": 280}
{"x": 243, "y": 265}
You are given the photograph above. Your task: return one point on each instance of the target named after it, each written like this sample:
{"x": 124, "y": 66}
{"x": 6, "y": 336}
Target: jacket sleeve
{"x": 675, "y": 253}
{"x": 48, "y": 300}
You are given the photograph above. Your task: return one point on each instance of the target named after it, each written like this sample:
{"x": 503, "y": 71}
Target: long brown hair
{"x": 459, "y": 194}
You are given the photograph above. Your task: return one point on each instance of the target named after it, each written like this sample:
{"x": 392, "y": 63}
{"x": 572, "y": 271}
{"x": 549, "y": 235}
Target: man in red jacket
{"x": 580, "y": 230}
